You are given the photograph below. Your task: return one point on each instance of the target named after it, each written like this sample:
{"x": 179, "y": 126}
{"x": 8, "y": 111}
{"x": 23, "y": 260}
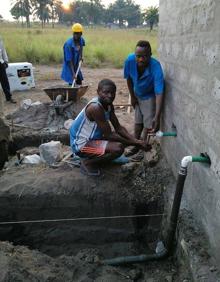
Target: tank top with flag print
{"x": 83, "y": 129}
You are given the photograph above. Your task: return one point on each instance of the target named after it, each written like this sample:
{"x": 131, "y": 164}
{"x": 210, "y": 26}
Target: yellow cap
{"x": 77, "y": 27}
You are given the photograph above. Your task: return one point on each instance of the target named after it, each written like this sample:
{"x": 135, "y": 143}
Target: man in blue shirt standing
{"x": 145, "y": 83}
{"x": 72, "y": 52}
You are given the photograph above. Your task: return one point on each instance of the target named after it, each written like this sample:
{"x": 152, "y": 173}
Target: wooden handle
{"x": 122, "y": 105}
{"x": 129, "y": 102}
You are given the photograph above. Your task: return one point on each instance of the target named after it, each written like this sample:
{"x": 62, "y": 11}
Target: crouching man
{"x": 91, "y": 136}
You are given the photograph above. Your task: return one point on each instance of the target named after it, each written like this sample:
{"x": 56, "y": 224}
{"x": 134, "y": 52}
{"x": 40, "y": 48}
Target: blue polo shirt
{"x": 71, "y": 53}
{"x": 151, "y": 82}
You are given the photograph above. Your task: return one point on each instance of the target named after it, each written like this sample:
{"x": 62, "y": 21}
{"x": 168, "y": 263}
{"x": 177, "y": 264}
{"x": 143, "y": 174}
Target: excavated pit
{"x": 43, "y": 193}
{"x": 72, "y": 249}
{"x": 39, "y": 193}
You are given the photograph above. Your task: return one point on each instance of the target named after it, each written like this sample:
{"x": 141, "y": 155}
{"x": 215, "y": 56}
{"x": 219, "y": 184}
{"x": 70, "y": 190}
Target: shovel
{"x": 74, "y": 81}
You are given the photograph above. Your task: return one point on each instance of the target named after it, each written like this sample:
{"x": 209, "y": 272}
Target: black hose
{"x": 175, "y": 209}
{"x": 135, "y": 259}
{"x": 170, "y": 234}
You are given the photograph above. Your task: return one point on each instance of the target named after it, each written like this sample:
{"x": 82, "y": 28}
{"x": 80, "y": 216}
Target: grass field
{"x": 44, "y": 46}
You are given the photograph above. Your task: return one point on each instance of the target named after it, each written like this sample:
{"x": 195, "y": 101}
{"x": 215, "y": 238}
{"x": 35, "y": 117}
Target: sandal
{"x": 121, "y": 160}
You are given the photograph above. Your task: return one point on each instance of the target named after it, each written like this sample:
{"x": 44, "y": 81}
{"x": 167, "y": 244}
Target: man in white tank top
{"x": 91, "y": 136}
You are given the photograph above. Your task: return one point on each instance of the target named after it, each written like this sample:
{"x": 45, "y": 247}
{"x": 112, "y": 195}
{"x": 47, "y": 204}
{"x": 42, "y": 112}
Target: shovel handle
{"x": 77, "y": 71}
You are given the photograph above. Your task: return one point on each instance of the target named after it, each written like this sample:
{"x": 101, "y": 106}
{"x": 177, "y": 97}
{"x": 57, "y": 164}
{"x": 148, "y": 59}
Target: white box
{"x": 20, "y": 76}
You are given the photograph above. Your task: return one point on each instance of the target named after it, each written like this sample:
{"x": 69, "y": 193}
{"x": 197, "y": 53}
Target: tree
{"x": 57, "y": 7}
{"x": 124, "y": 12}
{"x": 55, "y": 10}
{"x": 118, "y": 11}
{"x": 151, "y": 16}
{"x": 43, "y": 10}
{"x": 22, "y": 8}
{"x": 66, "y": 16}
{"x": 96, "y": 11}
{"x": 81, "y": 12}
{"x": 85, "y": 12}
{"x": 108, "y": 15}
{"x": 132, "y": 14}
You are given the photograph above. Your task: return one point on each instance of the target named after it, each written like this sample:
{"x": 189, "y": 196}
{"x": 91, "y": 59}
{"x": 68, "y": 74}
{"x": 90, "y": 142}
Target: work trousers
{"x": 4, "y": 82}
{"x": 1, "y": 104}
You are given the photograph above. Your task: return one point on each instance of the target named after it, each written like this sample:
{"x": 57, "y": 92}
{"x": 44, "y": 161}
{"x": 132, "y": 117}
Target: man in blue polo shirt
{"x": 145, "y": 83}
{"x": 72, "y": 53}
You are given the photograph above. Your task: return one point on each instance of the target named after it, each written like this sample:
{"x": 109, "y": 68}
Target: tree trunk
{"x": 28, "y": 21}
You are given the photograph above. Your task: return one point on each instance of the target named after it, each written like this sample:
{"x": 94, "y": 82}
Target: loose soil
{"x": 47, "y": 76}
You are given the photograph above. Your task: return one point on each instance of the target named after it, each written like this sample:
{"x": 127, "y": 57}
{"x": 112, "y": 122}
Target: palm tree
{"x": 20, "y": 9}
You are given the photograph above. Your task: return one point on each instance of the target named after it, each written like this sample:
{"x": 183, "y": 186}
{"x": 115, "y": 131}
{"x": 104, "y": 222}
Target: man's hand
{"x": 134, "y": 101}
{"x": 155, "y": 124}
{"x": 6, "y": 65}
{"x": 144, "y": 146}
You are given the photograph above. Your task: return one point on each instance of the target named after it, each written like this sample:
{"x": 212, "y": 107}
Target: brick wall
{"x": 189, "y": 48}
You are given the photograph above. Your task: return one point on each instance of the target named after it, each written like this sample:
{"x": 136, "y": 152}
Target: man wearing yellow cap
{"x": 72, "y": 52}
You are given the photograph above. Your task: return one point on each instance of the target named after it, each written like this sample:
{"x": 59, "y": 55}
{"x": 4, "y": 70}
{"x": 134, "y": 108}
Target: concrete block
{"x": 216, "y": 89}
{"x": 211, "y": 52}
{"x": 190, "y": 53}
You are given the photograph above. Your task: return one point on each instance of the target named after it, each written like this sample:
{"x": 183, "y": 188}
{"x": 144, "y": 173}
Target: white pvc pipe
{"x": 186, "y": 160}
{"x": 159, "y": 133}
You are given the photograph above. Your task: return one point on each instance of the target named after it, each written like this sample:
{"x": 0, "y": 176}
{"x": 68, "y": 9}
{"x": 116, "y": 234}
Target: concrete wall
{"x": 189, "y": 47}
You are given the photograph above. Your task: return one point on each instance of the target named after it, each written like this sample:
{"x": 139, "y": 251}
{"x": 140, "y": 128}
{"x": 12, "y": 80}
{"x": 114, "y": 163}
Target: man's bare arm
{"x": 96, "y": 113}
{"x": 156, "y": 119}
{"x": 125, "y": 135}
{"x": 121, "y": 130}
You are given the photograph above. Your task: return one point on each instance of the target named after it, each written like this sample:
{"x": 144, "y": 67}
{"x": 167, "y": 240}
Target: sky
{"x": 5, "y": 6}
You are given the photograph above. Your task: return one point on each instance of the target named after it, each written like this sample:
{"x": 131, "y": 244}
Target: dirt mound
{"x": 41, "y": 123}
{"x": 44, "y": 116}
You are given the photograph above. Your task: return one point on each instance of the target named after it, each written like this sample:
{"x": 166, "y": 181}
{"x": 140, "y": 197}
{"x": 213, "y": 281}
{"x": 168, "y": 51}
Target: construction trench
{"x": 59, "y": 225}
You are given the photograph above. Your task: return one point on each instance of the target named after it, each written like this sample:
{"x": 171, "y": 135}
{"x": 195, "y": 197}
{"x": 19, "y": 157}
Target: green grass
{"x": 104, "y": 47}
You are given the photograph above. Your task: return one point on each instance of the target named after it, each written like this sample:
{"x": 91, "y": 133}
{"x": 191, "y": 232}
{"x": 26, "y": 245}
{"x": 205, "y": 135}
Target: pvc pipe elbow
{"x": 199, "y": 159}
{"x": 185, "y": 161}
